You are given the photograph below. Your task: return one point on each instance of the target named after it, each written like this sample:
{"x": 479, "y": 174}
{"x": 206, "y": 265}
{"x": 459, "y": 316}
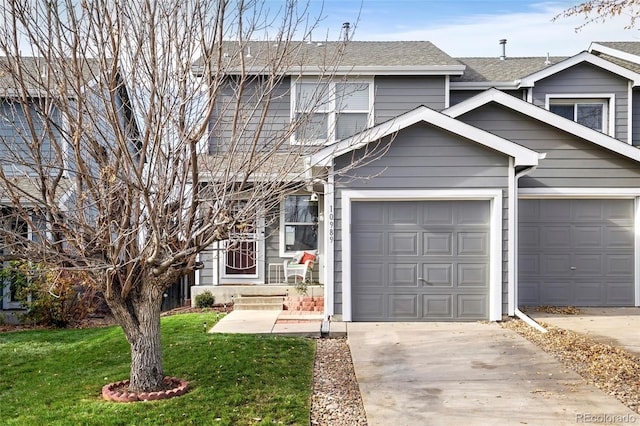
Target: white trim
{"x": 578, "y": 192}
{"x": 606, "y": 99}
{"x": 346, "y": 70}
{"x": 495, "y": 233}
{"x": 523, "y": 156}
{"x": 614, "y": 52}
{"x": 630, "y": 113}
{"x": 545, "y": 116}
{"x": 511, "y": 240}
{"x": 447, "y": 90}
{"x": 329, "y": 238}
{"x": 530, "y": 80}
{"x": 484, "y": 85}
{"x": 636, "y": 246}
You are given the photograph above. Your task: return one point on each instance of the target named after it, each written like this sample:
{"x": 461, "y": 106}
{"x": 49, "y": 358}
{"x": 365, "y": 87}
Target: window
{"x": 298, "y": 224}
{"x": 590, "y": 112}
{"x": 331, "y": 111}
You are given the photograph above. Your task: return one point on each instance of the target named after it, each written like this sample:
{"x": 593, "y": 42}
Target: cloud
{"x": 530, "y": 33}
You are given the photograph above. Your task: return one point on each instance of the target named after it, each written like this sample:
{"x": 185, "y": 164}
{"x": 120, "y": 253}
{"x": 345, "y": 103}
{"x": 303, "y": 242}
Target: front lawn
{"x": 55, "y": 377}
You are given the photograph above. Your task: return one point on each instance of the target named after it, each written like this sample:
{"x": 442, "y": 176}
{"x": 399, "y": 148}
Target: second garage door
{"x": 576, "y": 252}
{"x": 420, "y": 260}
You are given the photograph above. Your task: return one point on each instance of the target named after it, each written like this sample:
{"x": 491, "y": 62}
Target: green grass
{"x": 55, "y": 377}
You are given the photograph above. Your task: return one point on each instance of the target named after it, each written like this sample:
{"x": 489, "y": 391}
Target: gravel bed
{"x": 614, "y": 370}
{"x": 335, "y": 399}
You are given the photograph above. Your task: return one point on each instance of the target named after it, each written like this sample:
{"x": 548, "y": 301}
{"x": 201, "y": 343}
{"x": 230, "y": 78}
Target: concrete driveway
{"x": 471, "y": 374}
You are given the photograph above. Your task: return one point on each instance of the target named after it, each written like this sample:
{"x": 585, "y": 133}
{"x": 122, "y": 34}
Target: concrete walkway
{"x": 276, "y": 322}
{"x": 471, "y": 374}
{"x": 614, "y": 326}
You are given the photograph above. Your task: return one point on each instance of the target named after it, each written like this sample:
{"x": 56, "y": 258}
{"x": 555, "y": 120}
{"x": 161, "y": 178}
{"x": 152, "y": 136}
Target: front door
{"x": 243, "y": 258}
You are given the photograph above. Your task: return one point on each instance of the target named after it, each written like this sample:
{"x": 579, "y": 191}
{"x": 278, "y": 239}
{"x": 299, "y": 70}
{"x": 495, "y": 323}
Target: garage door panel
{"x": 403, "y": 306}
{"x": 587, "y": 236}
{"x": 586, "y": 252}
{"x": 472, "y": 216}
{"x": 370, "y": 306}
{"x": 473, "y": 244}
{"x": 529, "y": 264}
{"x": 472, "y": 306}
{"x": 403, "y": 274}
{"x": 588, "y": 293}
{"x": 438, "y": 213}
{"x": 556, "y": 264}
{"x": 373, "y": 215}
{"x": 618, "y": 237}
{"x": 473, "y": 275}
{"x": 437, "y": 306}
{"x": 529, "y": 237}
{"x": 587, "y": 265}
{"x": 437, "y": 274}
{"x": 618, "y": 293}
{"x": 619, "y": 265}
{"x": 369, "y": 243}
{"x": 555, "y": 237}
{"x": 404, "y": 213}
{"x": 403, "y": 244}
{"x": 369, "y": 275}
{"x": 555, "y": 293}
{"x": 437, "y": 243}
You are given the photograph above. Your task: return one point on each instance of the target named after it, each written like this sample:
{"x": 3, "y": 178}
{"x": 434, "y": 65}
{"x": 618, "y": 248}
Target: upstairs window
{"x": 590, "y": 112}
{"x": 328, "y": 112}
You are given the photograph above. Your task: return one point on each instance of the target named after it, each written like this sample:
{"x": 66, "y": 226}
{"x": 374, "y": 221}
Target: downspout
{"x": 517, "y": 312}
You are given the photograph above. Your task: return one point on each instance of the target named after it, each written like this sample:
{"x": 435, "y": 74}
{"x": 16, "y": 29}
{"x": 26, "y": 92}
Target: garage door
{"x": 576, "y": 253}
{"x": 420, "y": 260}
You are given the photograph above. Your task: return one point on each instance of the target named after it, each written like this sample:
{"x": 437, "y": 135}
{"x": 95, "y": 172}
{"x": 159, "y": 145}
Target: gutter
{"x": 517, "y": 312}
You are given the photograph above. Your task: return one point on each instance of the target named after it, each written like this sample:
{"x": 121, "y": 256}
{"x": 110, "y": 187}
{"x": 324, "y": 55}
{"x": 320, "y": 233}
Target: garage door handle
{"x": 422, "y": 279}
{"x": 573, "y": 268}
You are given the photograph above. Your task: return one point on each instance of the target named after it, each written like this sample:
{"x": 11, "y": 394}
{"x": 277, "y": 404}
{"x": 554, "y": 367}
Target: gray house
{"x": 494, "y": 183}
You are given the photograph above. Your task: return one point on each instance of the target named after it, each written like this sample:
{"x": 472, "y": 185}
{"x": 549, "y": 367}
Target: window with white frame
{"x": 298, "y": 224}
{"x": 330, "y": 111}
{"x": 590, "y": 112}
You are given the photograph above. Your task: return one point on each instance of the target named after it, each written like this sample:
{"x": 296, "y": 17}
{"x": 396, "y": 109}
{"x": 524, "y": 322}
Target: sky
{"x": 464, "y": 28}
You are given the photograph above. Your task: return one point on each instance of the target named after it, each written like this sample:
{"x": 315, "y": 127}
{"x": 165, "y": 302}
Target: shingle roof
{"x": 35, "y": 72}
{"x": 496, "y": 69}
{"x": 355, "y": 54}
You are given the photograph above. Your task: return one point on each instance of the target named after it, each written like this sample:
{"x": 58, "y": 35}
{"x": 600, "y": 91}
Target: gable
{"x": 571, "y": 161}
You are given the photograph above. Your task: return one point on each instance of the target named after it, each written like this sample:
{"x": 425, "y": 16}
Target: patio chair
{"x": 300, "y": 266}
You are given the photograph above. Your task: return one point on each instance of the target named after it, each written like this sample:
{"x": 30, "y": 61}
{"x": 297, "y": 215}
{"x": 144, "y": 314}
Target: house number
{"x": 331, "y": 223}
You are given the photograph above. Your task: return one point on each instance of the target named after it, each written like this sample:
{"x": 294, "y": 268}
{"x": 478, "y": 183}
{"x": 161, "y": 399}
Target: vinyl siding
{"x": 274, "y": 129}
{"x": 584, "y": 79}
{"x": 422, "y": 157}
{"x": 396, "y": 95}
{"x": 570, "y": 163}
{"x": 635, "y": 120}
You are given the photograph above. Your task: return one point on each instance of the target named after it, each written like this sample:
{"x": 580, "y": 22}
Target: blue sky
{"x": 470, "y": 27}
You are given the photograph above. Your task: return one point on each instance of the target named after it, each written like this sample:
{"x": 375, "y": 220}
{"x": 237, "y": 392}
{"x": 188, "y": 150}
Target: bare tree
{"x": 601, "y": 10}
{"x": 137, "y": 133}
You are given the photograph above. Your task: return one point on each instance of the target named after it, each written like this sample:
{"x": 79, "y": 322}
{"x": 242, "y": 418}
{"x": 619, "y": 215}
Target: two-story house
{"x": 498, "y": 183}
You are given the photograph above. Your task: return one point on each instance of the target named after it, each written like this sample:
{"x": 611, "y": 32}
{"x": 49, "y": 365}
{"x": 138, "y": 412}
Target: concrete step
{"x": 258, "y": 307}
{"x": 258, "y": 303}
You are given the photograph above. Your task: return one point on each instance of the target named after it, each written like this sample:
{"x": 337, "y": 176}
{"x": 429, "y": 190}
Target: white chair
{"x": 293, "y": 267}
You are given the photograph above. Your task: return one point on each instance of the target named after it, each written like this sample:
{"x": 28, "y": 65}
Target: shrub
{"x": 205, "y": 300}
{"x": 52, "y": 297}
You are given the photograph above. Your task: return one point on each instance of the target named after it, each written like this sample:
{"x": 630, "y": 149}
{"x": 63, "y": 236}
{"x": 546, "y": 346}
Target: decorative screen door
{"x": 241, "y": 262}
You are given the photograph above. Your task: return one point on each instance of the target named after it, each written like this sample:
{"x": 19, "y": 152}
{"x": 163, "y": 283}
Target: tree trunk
{"x": 146, "y": 353}
{"x": 140, "y": 320}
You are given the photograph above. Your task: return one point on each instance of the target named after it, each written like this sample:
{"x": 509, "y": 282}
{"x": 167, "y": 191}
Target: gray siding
{"x": 422, "y": 157}
{"x": 570, "y": 163}
{"x": 588, "y": 79}
{"x": 635, "y": 120}
{"x": 250, "y": 108}
{"x": 396, "y": 95}
{"x": 457, "y": 96}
